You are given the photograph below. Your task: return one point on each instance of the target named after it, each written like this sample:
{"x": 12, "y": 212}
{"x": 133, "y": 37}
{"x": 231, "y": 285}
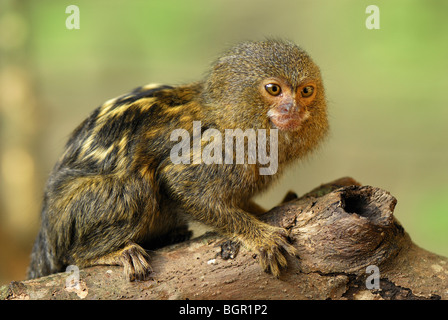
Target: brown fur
{"x": 115, "y": 186}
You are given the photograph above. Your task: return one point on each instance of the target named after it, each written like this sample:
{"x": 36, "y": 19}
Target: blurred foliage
{"x": 386, "y": 88}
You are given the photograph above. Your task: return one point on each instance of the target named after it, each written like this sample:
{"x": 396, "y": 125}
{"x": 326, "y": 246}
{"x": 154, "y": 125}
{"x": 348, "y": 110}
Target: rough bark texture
{"x": 341, "y": 229}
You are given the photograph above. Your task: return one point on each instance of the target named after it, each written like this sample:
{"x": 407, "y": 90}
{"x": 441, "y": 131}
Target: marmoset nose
{"x": 287, "y": 108}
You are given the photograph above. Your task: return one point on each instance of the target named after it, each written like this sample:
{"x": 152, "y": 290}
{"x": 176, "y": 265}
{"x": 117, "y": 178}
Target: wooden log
{"x": 350, "y": 247}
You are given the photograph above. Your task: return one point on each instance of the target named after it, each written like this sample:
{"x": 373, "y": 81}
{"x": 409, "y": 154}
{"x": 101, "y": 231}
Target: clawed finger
{"x": 272, "y": 258}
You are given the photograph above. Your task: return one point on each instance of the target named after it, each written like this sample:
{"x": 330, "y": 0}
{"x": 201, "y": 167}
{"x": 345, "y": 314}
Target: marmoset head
{"x": 273, "y": 83}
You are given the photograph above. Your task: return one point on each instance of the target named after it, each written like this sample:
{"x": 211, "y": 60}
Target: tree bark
{"x": 350, "y": 247}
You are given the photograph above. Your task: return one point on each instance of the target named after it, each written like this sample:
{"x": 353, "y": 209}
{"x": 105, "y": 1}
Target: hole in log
{"x": 360, "y": 203}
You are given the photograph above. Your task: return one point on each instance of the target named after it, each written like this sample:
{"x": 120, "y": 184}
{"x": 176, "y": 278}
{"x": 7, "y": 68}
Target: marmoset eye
{"x": 273, "y": 89}
{"x": 307, "y": 91}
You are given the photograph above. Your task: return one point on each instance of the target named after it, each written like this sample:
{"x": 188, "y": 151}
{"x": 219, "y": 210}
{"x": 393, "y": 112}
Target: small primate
{"x": 115, "y": 188}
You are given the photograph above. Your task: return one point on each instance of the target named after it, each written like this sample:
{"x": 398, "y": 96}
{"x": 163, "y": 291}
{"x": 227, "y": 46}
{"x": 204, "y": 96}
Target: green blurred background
{"x": 387, "y": 92}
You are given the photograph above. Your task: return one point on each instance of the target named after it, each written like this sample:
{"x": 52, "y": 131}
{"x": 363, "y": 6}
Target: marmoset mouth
{"x": 289, "y": 122}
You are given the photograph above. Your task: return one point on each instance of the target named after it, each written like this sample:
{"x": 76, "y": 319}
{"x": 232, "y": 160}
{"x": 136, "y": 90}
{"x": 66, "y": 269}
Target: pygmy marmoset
{"x": 117, "y": 187}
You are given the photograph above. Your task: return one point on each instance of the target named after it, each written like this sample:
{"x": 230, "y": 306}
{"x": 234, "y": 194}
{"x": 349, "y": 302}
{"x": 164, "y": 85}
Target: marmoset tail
{"x": 142, "y": 164}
